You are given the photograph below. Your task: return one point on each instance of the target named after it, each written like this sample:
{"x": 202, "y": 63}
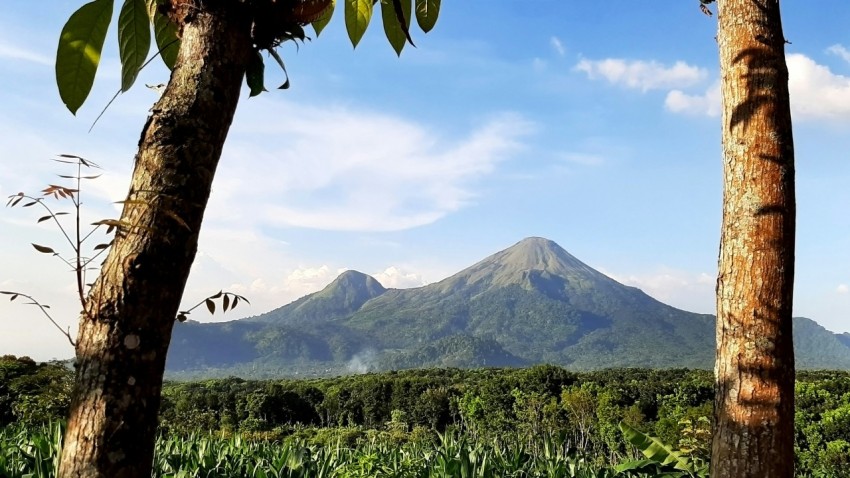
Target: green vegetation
{"x": 32, "y": 393}
{"x": 446, "y": 456}
{"x": 538, "y": 421}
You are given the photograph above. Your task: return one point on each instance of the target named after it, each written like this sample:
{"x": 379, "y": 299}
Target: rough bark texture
{"x": 754, "y": 406}
{"x": 126, "y": 328}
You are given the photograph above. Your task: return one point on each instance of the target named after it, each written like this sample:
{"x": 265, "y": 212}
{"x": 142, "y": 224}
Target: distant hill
{"x": 530, "y": 303}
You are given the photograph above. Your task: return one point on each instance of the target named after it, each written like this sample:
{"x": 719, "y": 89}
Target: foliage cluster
{"x": 448, "y": 455}
{"x": 33, "y": 393}
{"x": 580, "y": 413}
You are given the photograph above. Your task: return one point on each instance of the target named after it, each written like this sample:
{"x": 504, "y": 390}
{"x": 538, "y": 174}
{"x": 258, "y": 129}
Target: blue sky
{"x": 592, "y": 124}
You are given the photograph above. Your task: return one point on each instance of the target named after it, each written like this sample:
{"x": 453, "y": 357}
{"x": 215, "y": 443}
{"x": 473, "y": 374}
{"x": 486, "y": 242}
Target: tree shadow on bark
{"x": 763, "y": 74}
{"x": 759, "y": 392}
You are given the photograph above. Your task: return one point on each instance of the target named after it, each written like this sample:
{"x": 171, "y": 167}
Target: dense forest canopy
{"x": 510, "y": 405}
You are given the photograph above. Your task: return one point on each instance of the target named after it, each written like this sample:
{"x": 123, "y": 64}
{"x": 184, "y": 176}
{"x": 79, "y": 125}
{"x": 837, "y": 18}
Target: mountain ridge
{"x": 530, "y": 303}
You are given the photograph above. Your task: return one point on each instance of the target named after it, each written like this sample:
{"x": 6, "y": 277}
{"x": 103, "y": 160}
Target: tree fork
{"x": 754, "y": 404}
{"x": 126, "y": 326}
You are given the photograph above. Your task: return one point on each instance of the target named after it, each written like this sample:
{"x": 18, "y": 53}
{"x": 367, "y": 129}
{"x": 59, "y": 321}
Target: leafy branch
{"x": 43, "y": 308}
{"x": 79, "y": 263}
{"x": 75, "y": 238}
{"x": 229, "y": 300}
{"x": 274, "y": 22}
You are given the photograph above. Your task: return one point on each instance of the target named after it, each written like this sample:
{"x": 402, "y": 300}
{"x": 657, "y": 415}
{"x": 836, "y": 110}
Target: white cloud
{"x": 556, "y": 44}
{"x": 816, "y": 92}
{"x": 841, "y": 51}
{"x": 707, "y": 103}
{"x": 642, "y": 75}
{"x": 347, "y": 170}
{"x": 842, "y": 289}
{"x": 396, "y": 278}
{"x": 12, "y": 52}
{"x": 681, "y": 289}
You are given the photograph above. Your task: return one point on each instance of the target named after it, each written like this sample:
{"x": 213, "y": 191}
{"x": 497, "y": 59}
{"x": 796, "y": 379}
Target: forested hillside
{"x": 532, "y": 303}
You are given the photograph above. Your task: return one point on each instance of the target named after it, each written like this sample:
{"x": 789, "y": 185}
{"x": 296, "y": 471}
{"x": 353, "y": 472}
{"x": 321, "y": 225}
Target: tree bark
{"x": 754, "y": 404}
{"x": 126, "y": 326}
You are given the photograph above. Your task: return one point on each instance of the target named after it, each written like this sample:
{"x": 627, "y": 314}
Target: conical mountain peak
{"x": 353, "y": 285}
{"x": 342, "y": 297}
{"x": 537, "y": 253}
{"x": 533, "y": 255}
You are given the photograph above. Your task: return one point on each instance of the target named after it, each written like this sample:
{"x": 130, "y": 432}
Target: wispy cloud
{"x": 558, "y": 46}
{"x": 842, "y": 289}
{"x": 12, "y": 52}
{"x": 346, "y": 170}
{"x": 642, "y": 75}
{"x": 584, "y": 159}
{"x": 841, "y": 51}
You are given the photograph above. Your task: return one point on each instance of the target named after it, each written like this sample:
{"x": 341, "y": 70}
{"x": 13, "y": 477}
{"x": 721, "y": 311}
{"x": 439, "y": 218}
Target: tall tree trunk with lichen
{"x": 126, "y": 327}
{"x": 754, "y": 405}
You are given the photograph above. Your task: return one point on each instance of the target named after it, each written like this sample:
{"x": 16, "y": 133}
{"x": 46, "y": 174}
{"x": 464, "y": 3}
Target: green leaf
{"x": 323, "y": 21}
{"x": 357, "y": 16}
{"x": 210, "y": 306}
{"x": 397, "y": 34}
{"x": 656, "y": 450}
{"x": 255, "y": 73}
{"x": 78, "y": 54}
{"x": 225, "y": 303}
{"x": 279, "y": 61}
{"x": 165, "y": 33}
{"x": 134, "y": 40}
{"x": 427, "y": 12}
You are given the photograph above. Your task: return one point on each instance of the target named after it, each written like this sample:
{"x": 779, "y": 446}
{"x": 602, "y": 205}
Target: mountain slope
{"x": 342, "y": 297}
{"x": 530, "y": 303}
{"x": 542, "y": 304}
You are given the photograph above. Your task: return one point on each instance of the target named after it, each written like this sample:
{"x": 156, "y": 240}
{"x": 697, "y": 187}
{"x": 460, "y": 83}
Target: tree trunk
{"x": 754, "y": 404}
{"x": 126, "y": 327}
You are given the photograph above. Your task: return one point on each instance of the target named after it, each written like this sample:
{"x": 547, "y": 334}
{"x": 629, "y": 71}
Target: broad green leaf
{"x": 656, "y": 450}
{"x": 427, "y": 12}
{"x": 396, "y": 34}
{"x": 323, "y": 21}
{"x": 255, "y": 73}
{"x": 78, "y": 54}
{"x": 134, "y": 40}
{"x": 165, "y": 33}
{"x": 357, "y": 16}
